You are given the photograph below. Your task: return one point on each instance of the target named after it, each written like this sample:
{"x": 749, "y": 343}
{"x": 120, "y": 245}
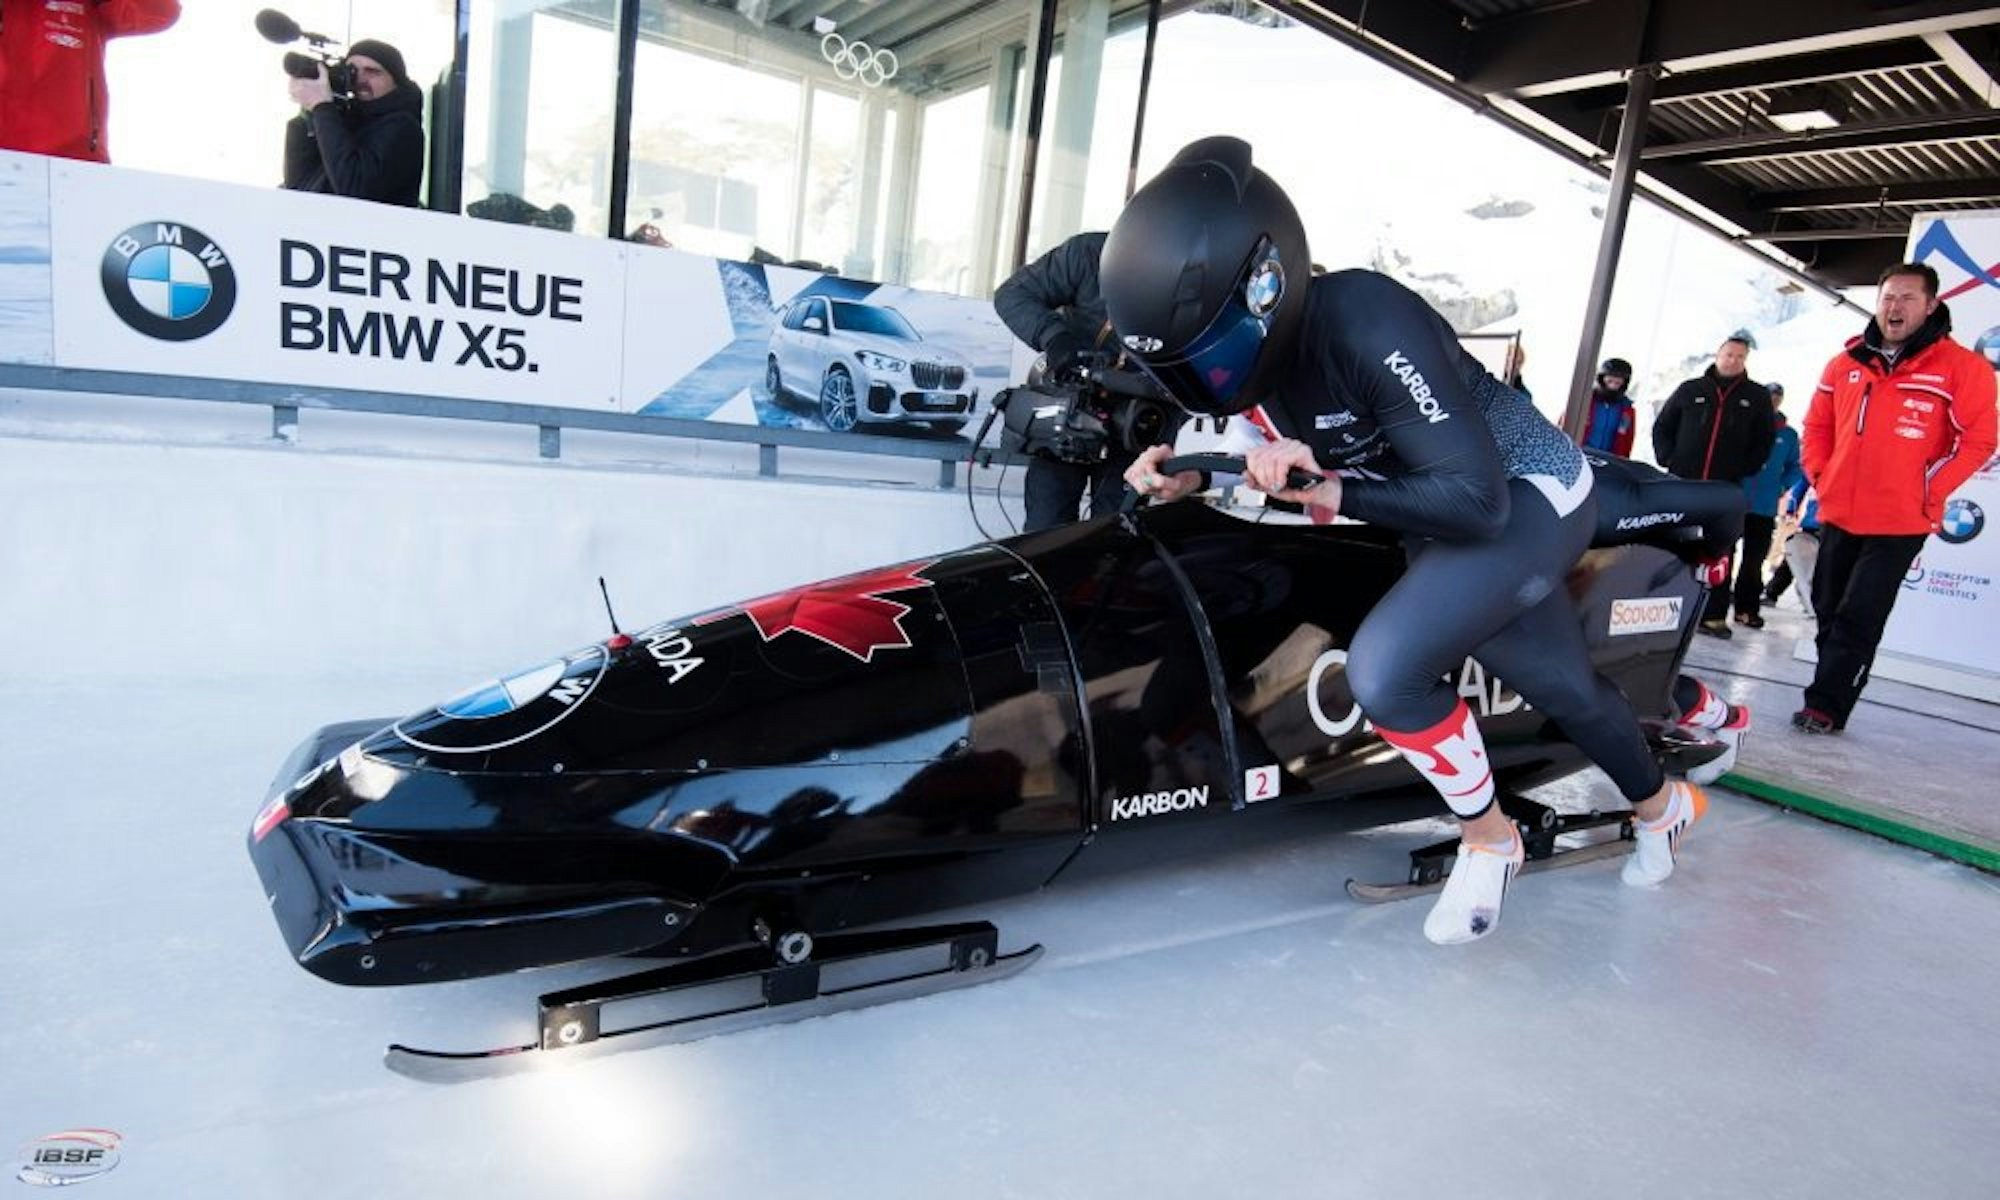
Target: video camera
{"x": 321, "y": 51}
{"x": 1085, "y": 415}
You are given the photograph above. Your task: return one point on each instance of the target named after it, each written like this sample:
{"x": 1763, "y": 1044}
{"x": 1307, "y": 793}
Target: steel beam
{"x": 1927, "y": 191}
{"x": 1611, "y": 240}
{"x": 1796, "y": 71}
{"x": 1776, "y": 144}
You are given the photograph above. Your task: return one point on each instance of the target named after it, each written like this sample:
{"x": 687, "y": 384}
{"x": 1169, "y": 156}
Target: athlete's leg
{"x": 1455, "y": 596}
{"x": 1704, "y": 710}
{"x": 1544, "y": 657}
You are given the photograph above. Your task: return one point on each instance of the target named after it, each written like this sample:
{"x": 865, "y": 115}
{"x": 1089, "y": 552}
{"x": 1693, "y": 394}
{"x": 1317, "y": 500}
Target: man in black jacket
{"x": 1053, "y": 305}
{"x": 1718, "y": 425}
{"x": 370, "y": 147}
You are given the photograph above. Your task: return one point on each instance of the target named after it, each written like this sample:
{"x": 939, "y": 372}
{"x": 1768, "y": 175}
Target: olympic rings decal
{"x": 859, "y": 60}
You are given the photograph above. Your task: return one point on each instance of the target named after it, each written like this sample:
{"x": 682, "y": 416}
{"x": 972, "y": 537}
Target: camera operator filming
{"x": 1079, "y": 419}
{"x": 360, "y": 130}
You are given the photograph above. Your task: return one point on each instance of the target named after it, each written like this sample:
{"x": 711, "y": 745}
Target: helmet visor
{"x": 1207, "y": 376}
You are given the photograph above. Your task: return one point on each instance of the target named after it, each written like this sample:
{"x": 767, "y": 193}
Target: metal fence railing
{"x": 288, "y": 401}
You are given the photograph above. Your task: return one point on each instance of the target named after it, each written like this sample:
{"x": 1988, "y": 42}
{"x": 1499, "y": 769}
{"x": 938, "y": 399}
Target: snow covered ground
{"x": 1803, "y": 1011}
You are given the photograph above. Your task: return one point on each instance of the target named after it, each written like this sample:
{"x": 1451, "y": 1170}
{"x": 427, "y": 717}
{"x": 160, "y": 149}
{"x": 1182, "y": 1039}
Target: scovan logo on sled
{"x": 168, "y": 281}
{"x": 72, "y": 1156}
{"x": 1649, "y": 614}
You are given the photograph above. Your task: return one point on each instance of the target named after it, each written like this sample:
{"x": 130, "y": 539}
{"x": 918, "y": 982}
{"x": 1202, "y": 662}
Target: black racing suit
{"x": 1053, "y": 305}
{"x": 1495, "y": 503}
{"x": 1699, "y": 520}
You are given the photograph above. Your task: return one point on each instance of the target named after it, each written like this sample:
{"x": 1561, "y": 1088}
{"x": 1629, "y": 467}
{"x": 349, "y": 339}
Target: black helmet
{"x": 1615, "y": 366}
{"x": 1204, "y": 277}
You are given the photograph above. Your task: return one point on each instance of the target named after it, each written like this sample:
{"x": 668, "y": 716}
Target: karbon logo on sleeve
{"x": 168, "y": 281}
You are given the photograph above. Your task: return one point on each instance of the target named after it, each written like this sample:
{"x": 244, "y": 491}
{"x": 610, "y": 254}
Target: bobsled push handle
{"x": 1213, "y": 464}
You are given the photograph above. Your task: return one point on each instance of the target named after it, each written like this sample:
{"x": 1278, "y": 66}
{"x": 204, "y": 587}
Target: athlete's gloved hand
{"x": 1713, "y": 571}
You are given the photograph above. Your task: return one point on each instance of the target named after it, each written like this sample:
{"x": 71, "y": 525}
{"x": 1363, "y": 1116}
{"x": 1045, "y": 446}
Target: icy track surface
{"x": 1217, "y": 1027}
{"x": 1802, "y": 1011}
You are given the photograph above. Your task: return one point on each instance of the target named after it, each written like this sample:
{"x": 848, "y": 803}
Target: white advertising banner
{"x": 174, "y": 276}
{"x": 112, "y": 269}
{"x": 756, "y": 344}
{"x": 26, "y": 322}
{"x": 1949, "y": 611}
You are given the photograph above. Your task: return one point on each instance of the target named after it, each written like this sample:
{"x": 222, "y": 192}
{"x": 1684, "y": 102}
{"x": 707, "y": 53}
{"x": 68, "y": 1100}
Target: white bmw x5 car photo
{"x": 865, "y": 364}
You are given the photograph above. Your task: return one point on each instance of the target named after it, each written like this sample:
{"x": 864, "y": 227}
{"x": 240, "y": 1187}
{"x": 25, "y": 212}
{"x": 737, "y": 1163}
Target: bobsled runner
{"x": 765, "y": 795}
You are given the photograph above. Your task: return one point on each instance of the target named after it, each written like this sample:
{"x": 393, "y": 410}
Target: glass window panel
{"x": 236, "y": 103}
{"x": 891, "y": 122}
{"x": 833, "y": 184}
{"x": 538, "y": 133}
{"x": 942, "y": 250}
{"x": 1496, "y": 233}
{"x": 715, "y": 143}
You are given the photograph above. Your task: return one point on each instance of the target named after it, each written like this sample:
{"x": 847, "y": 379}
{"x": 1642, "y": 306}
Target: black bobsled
{"x": 861, "y": 751}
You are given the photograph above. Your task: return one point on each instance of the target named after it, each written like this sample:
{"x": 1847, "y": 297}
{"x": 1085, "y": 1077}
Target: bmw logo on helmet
{"x": 1962, "y": 522}
{"x": 168, "y": 281}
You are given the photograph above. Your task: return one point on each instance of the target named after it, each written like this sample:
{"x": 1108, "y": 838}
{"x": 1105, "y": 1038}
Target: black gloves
{"x": 1064, "y": 353}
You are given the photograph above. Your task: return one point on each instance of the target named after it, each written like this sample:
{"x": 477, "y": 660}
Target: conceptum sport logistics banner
{"x": 1949, "y": 611}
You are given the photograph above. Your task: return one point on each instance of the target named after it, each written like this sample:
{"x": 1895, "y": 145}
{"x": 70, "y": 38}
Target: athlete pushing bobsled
{"x": 1206, "y": 278}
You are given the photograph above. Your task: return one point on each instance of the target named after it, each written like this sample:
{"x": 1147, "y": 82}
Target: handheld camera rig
{"x": 1085, "y": 414}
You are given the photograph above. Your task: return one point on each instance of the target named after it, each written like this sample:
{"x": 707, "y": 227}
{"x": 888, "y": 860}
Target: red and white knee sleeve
{"x": 1710, "y": 712}
{"x": 1452, "y": 757}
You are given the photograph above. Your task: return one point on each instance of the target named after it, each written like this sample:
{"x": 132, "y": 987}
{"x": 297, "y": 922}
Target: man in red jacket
{"x": 52, "y": 96}
{"x": 1902, "y": 417}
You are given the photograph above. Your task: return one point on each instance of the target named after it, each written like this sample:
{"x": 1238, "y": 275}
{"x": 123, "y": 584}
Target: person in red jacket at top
{"x": 52, "y": 94}
{"x": 1902, "y": 417}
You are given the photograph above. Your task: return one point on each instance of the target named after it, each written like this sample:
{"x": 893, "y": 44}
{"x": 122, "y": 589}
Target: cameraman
{"x": 369, "y": 146}
{"x": 1052, "y": 304}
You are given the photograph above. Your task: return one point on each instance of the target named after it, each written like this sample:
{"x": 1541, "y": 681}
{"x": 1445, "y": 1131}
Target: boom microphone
{"x": 277, "y": 27}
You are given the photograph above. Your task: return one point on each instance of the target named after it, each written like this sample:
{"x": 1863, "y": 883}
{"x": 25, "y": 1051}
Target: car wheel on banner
{"x": 838, "y": 405}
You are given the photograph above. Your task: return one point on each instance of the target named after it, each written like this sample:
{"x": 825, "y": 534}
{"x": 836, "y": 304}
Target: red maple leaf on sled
{"x": 849, "y": 614}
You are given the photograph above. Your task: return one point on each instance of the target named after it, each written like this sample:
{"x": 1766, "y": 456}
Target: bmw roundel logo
{"x": 508, "y": 710}
{"x": 1962, "y": 522}
{"x": 168, "y": 281}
